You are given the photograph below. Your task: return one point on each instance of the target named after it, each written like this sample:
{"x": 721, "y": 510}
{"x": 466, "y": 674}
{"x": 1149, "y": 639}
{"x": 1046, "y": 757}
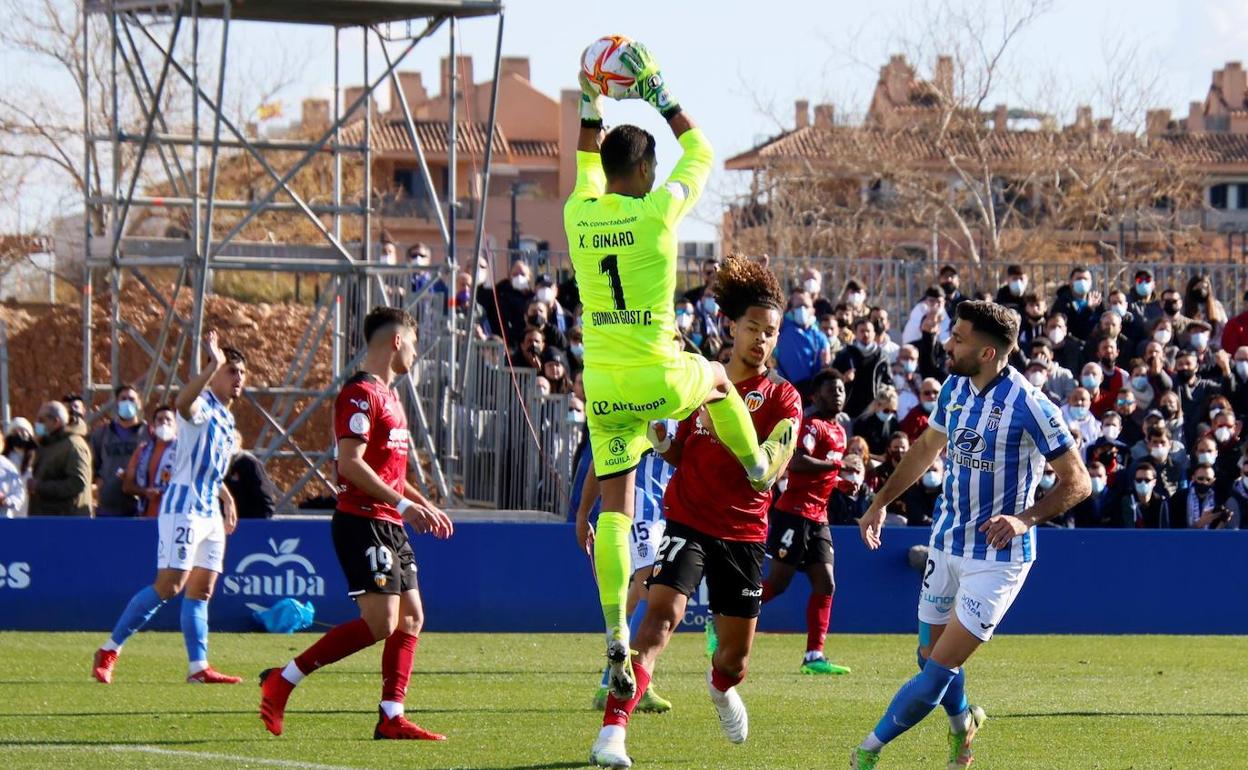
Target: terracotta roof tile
{"x": 390, "y": 135}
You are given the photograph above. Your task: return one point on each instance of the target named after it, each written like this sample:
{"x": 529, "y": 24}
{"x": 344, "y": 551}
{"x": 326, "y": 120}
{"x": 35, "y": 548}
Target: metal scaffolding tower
{"x": 151, "y": 64}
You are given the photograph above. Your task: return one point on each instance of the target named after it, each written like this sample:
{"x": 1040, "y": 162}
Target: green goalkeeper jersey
{"x": 624, "y": 253}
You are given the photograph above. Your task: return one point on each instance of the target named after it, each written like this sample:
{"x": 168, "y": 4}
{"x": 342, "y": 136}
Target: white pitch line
{"x": 235, "y": 758}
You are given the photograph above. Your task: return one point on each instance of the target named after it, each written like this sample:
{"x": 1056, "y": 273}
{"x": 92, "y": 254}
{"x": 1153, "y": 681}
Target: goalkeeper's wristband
{"x": 670, "y": 112}
{"x": 591, "y": 123}
{"x": 403, "y": 505}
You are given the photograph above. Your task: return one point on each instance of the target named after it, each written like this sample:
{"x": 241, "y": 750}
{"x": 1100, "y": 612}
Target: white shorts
{"x": 981, "y": 590}
{"x": 187, "y": 541}
{"x": 644, "y": 540}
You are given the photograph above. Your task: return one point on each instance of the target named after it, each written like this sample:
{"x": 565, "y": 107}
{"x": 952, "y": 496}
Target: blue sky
{"x": 738, "y": 66}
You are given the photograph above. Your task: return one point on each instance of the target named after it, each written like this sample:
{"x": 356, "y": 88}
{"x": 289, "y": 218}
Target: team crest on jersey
{"x": 181, "y": 553}
{"x": 617, "y": 446}
{"x": 753, "y": 400}
{"x": 783, "y": 552}
{"x": 994, "y": 417}
{"x": 655, "y": 572}
{"x": 380, "y": 579}
{"x": 358, "y": 423}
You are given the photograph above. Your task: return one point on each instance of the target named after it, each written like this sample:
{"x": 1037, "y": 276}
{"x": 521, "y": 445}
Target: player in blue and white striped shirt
{"x": 653, "y": 474}
{"x": 999, "y": 431}
{"x": 196, "y": 514}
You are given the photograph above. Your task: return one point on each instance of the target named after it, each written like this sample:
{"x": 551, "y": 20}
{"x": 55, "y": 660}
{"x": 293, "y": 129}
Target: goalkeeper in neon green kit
{"x": 622, "y": 238}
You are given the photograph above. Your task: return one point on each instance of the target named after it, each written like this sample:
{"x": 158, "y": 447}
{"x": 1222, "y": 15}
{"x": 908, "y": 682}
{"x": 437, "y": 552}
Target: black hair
{"x": 1079, "y": 269}
{"x": 1145, "y": 465}
{"x": 234, "y": 356}
{"x": 623, "y": 148}
{"x": 741, "y": 284}
{"x": 1014, "y": 270}
{"x": 997, "y": 322}
{"x": 163, "y": 408}
{"x": 824, "y": 377}
{"x": 122, "y": 388}
{"x": 948, "y": 270}
{"x": 381, "y": 317}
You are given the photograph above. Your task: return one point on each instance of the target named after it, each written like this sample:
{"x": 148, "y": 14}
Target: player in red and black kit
{"x": 374, "y": 499}
{"x": 716, "y": 522}
{"x": 799, "y": 537}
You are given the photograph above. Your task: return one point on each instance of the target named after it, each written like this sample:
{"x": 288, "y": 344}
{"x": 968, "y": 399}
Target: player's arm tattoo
{"x": 1073, "y": 486}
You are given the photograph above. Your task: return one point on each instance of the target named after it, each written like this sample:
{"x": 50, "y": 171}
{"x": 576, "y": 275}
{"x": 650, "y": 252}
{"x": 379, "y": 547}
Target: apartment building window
{"x": 1218, "y": 195}
{"x": 1243, "y": 195}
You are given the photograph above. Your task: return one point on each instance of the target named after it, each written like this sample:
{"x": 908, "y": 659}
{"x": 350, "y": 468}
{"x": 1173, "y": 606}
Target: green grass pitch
{"x": 520, "y": 702}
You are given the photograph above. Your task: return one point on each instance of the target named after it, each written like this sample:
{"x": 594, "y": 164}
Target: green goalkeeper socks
{"x": 612, "y": 564}
{"x": 735, "y": 429}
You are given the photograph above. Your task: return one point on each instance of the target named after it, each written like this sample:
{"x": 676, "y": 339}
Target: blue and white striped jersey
{"x": 998, "y": 443}
{"x": 205, "y": 448}
{"x": 653, "y": 475}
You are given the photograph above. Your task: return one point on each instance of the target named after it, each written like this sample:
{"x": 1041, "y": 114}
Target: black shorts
{"x": 733, "y": 569}
{"x": 798, "y": 541}
{"x": 376, "y": 556}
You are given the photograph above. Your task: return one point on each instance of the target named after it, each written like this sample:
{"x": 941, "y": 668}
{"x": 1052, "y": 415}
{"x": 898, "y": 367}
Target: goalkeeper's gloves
{"x": 591, "y": 102}
{"x": 658, "y": 435}
{"x": 648, "y": 81}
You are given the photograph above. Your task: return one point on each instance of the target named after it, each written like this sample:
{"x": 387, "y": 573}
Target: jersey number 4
{"x": 610, "y": 267}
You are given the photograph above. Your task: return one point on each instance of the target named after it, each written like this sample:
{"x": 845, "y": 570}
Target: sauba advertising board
{"x": 259, "y": 572}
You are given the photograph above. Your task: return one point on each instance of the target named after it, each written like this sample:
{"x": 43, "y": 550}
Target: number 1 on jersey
{"x": 610, "y": 266}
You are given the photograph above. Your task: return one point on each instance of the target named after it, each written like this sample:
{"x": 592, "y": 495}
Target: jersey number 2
{"x": 610, "y": 266}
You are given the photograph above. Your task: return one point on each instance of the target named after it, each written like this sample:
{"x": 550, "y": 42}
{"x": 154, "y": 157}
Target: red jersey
{"x": 806, "y": 494}
{"x": 371, "y": 412}
{"x": 709, "y": 490}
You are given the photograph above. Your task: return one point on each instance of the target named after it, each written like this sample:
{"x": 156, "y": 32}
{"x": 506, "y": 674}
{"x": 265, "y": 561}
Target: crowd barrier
{"x": 65, "y": 574}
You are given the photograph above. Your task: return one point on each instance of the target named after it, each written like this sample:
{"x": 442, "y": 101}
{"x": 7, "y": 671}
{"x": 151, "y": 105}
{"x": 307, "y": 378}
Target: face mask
{"x": 577, "y": 349}
{"x": 535, "y": 350}
{"x": 1162, "y": 336}
{"x": 1120, "y": 310}
{"x": 1167, "y": 411}
{"x": 1201, "y": 293}
{"x": 1082, "y": 286}
{"x": 909, "y": 366}
{"x": 1144, "y": 488}
{"x": 931, "y": 479}
{"x": 1079, "y": 412}
{"x": 546, "y": 295}
{"x": 575, "y": 416}
{"x": 856, "y": 298}
{"x": 1159, "y": 453}
{"x": 461, "y": 298}
{"x": 537, "y": 320}
{"x": 1206, "y": 458}
{"x": 1144, "y": 288}
{"x": 1171, "y": 307}
{"x": 802, "y": 316}
{"x": 949, "y": 288}
{"x": 1222, "y": 435}
{"x": 1241, "y": 368}
{"x": 683, "y": 321}
{"x": 1037, "y": 379}
{"x": 851, "y": 478}
{"x": 928, "y": 406}
{"x": 1111, "y": 432}
{"x": 1201, "y": 488}
{"x": 1056, "y": 335}
{"x": 1139, "y": 383}
{"x": 1091, "y": 381}
{"x": 1185, "y": 375}
{"x": 127, "y": 410}
{"x": 867, "y": 348}
{"x": 41, "y": 430}
{"x": 811, "y": 285}
{"x": 164, "y": 433}
{"x": 1017, "y": 285}
{"x": 884, "y": 416}
{"x": 520, "y": 282}
{"x": 1098, "y": 484}
{"x": 1047, "y": 481}
{"x": 1200, "y": 340}
{"x": 710, "y": 306}
{"x": 483, "y": 277}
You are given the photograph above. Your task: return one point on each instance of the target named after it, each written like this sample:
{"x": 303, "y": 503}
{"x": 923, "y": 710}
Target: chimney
{"x": 314, "y": 115}
{"x": 897, "y": 76}
{"x": 944, "y": 76}
{"x": 1083, "y": 118}
{"x": 464, "y": 74}
{"x": 801, "y": 118}
{"x": 349, "y": 95}
{"x": 1157, "y": 122}
{"x": 518, "y": 65}
{"x": 824, "y": 114}
{"x": 1000, "y": 119}
{"x": 413, "y": 86}
{"x": 1233, "y": 85}
{"x": 1105, "y": 126}
{"x": 1196, "y": 118}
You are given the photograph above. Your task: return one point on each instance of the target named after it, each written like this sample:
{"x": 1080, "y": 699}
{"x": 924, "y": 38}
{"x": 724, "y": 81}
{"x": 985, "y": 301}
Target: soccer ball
{"x": 602, "y": 69}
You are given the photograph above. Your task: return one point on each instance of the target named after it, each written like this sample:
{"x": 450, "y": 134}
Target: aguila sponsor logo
{"x": 278, "y": 575}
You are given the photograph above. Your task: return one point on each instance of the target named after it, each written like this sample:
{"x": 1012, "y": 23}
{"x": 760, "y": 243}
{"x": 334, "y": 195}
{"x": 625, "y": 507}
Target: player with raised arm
{"x": 374, "y": 500}
{"x": 716, "y": 519}
{"x": 999, "y": 431}
{"x": 196, "y": 515}
{"x": 622, "y": 241}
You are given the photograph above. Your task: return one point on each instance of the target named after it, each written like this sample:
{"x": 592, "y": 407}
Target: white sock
{"x": 111, "y": 645}
{"x": 610, "y": 733}
{"x": 961, "y": 722}
{"x": 871, "y": 743}
{"x": 392, "y": 708}
{"x": 812, "y": 655}
{"x": 292, "y": 674}
{"x": 196, "y": 666}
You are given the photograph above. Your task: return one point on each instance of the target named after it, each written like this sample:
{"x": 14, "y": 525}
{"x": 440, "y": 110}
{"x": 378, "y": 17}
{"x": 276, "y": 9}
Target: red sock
{"x": 769, "y": 593}
{"x": 396, "y": 665}
{"x": 340, "y": 641}
{"x": 818, "y": 613}
{"x": 724, "y": 682}
{"x": 618, "y": 711}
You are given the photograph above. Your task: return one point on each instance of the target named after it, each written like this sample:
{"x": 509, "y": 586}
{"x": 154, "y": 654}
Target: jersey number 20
{"x": 610, "y": 266}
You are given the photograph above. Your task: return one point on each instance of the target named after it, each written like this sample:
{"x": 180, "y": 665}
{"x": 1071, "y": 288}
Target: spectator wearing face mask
{"x": 844, "y": 323}
{"x": 687, "y": 328}
{"x": 1119, "y": 304}
{"x": 906, "y": 379}
{"x": 1113, "y": 378}
{"x": 1200, "y": 506}
{"x": 951, "y": 283}
{"x": 1239, "y": 391}
{"x": 1108, "y": 328}
{"x": 555, "y": 369}
{"x": 1067, "y": 350}
{"x": 1034, "y": 322}
{"x": 20, "y": 445}
{"x": 707, "y": 320}
{"x": 801, "y": 350}
{"x": 77, "y": 407}
{"x": 61, "y": 482}
{"x": 1157, "y": 368}
{"x": 1170, "y": 469}
{"x": 832, "y": 330}
{"x": 112, "y": 446}
{"x": 1171, "y": 408}
{"x": 1226, "y": 433}
{"x": 920, "y": 499}
{"x": 1078, "y": 413}
{"x": 12, "y": 477}
{"x": 151, "y": 466}
{"x": 1161, "y": 333}
{"x": 932, "y": 354}
{"x": 1211, "y": 364}
{"x": 1205, "y": 452}
{"x": 915, "y": 421}
{"x": 1172, "y": 308}
{"x": 1144, "y": 505}
{"x": 1110, "y": 450}
{"x": 529, "y": 353}
{"x": 1237, "y": 495}
{"x": 1014, "y": 289}
{"x": 1194, "y": 392}
{"x": 537, "y": 316}
{"x": 576, "y": 351}
{"x": 547, "y": 293}
{"x": 863, "y": 366}
{"x": 812, "y": 284}
{"x": 1144, "y": 301}
{"x": 511, "y": 297}
{"x": 710, "y": 267}
{"x": 855, "y": 298}
{"x": 1055, "y": 380}
{"x": 879, "y": 317}
{"x": 850, "y": 497}
{"x": 1132, "y": 417}
{"x": 1079, "y": 302}
{"x": 1200, "y": 304}
{"x": 879, "y": 424}
{"x": 1099, "y": 509}
{"x": 893, "y": 450}
{"x": 1048, "y": 480}
{"x": 933, "y": 302}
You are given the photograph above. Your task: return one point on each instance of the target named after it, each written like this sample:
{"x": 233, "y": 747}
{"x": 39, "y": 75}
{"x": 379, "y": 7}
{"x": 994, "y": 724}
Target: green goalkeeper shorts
{"x": 621, "y": 402}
